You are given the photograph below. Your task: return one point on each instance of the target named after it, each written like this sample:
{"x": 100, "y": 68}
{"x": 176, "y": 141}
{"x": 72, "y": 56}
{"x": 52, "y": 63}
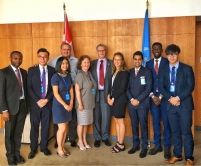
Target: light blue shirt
{"x": 73, "y": 65}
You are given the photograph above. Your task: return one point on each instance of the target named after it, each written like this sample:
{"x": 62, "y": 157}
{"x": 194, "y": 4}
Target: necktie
{"x": 156, "y": 66}
{"x": 19, "y": 80}
{"x": 43, "y": 84}
{"x": 173, "y": 75}
{"x": 136, "y": 71}
{"x": 101, "y": 74}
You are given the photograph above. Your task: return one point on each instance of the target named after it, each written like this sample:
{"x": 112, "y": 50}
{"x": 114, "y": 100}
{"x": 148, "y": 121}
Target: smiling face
{"x": 173, "y": 58}
{"x": 66, "y": 51}
{"x": 43, "y": 58}
{"x": 157, "y": 50}
{"x": 16, "y": 59}
{"x": 64, "y": 66}
{"x": 118, "y": 61}
{"x": 101, "y": 51}
{"x": 85, "y": 64}
{"x": 137, "y": 59}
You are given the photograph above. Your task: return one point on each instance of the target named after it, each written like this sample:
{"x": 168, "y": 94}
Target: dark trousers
{"x": 14, "y": 129}
{"x": 159, "y": 113}
{"x": 37, "y": 116}
{"x": 180, "y": 123}
{"x": 139, "y": 116}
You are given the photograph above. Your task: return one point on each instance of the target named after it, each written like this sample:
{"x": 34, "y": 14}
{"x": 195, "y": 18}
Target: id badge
{"x": 93, "y": 91}
{"x": 142, "y": 80}
{"x": 67, "y": 96}
{"x": 42, "y": 89}
{"x": 172, "y": 88}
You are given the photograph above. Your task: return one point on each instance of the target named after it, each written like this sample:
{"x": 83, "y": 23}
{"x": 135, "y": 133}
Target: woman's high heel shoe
{"x": 62, "y": 155}
{"x": 81, "y": 148}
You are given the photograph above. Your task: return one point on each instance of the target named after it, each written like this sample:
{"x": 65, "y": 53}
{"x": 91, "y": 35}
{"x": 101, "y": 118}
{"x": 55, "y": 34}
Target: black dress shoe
{"x": 55, "y": 145}
{"x": 134, "y": 149}
{"x": 143, "y": 153}
{"x": 11, "y": 161}
{"x": 107, "y": 142}
{"x": 19, "y": 159}
{"x": 73, "y": 143}
{"x": 97, "y": 143}
{"x": 155, "y": 150}
{"x": 167, "y": 153}
{"x": 32, "y": 154}
{"x": 46, "y": 152}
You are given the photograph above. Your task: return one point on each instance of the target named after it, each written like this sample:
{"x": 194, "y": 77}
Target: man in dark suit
{"x": 13, "y": 106}
{"x": 41, "y": 95}
{"x": 138, "y": 90}
{"x": 176, "y": 84}
{"x": 101, "y": 71}
{"x": 158, "y": 109}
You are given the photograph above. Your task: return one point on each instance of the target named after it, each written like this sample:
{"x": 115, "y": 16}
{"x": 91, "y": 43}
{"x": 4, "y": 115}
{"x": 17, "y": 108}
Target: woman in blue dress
{"x": 62, "y": 102}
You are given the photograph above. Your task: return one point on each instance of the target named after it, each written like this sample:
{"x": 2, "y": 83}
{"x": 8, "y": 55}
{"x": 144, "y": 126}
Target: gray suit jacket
{"x": 9, "y": 90}
{"x": 108, "y": 76}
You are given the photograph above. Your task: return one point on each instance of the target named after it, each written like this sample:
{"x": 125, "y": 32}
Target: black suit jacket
{"x": 108, "y": 76}
{"x": 184, "y": 86}
{"x": 34, "y": 86}
{"x": 9, "y": 90}
{"x": 118, "y": 90}
{"x": 138, "y": 91}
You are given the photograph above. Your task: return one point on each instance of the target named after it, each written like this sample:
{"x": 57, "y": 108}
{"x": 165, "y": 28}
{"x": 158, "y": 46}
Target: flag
{"x": 66, "y": 34}
{"x": 146, "y": 39}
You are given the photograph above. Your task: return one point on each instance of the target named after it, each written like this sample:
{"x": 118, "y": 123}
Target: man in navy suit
{"x": 176, "y": 84}
{"x": 13, "y": 106}
{"x": 138, "y": 90}
{"x": 41, "y": 95}
{"x": 158, "y": 109}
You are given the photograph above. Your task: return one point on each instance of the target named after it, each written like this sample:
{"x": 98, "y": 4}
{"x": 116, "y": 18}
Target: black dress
{"x": 118, "y": 92}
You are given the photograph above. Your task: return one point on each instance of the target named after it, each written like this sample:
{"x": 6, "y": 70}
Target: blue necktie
{"x": 173, "y": 76}
{"x": 43, "y": 84}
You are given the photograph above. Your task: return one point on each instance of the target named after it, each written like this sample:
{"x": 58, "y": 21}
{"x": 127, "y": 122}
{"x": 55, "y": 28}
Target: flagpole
{"x": 64, "y": 8}
{"x": 147, "y": 4}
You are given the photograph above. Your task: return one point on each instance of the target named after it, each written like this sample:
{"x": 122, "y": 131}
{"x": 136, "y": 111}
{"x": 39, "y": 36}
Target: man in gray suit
{"x": 101, "y": 71}
{"x": 13, "y": 106}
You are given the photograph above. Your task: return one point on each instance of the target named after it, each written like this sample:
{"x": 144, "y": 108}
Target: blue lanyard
{"x": 65, "y": 83}
{"x": 87, "y": 75}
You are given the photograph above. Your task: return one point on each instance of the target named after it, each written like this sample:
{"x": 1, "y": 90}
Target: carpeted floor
{"x": 96, "y": 156}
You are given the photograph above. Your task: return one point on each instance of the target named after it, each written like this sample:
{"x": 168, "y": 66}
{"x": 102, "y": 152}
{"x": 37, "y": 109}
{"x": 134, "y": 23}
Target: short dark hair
{"x": 172, "y": 48}
{"x": 157, "y": 43}
{"x": 65, "y": 44}
{"x": 58, "y": 65}
{"x": 43, "y": 50}
{"x": 83, "y": 57}
{"x": 15, "y": 52}
{"x": 138, "y": 53}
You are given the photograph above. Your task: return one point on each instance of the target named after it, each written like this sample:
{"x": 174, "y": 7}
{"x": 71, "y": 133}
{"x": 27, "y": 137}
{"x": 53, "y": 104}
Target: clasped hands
{"x": 156, "y": 100}
{"x": 110, "y": 101}
{"x": 174, "y": 101}
{"x": 68, "y": 107}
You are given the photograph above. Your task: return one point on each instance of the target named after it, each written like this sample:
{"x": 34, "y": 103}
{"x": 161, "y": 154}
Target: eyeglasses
{"x": 101, "y": 50}
{"x": 173, "y": 55}
{"x": 42, "y": 57}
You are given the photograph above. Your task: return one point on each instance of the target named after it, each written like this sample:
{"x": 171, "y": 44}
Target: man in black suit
{"x": 176, "y": 83}
{"x": 41, "y": 95}
{"x": 101, "y": 71}
{"x": 158, "y": 109}
{"x": 138, "y": 90}
{"x": 13, "y": 106}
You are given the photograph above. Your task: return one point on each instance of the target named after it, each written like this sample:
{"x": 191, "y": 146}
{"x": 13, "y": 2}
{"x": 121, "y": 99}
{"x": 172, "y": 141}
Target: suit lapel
{"x": 95, "y": 69}
{"x": 178, "y": 76}
{"x": 108, "y": 68}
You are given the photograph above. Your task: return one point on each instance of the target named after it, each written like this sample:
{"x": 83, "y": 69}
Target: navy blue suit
{"x": 180, "y": 117}
{"x": 139, "y": 114}
{"x": 38, "y": 114}
{"x": 159, "y": 112}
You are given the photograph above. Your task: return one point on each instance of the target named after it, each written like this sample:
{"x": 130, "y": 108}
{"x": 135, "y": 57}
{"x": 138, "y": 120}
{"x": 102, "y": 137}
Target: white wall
{"x": 25, "y": 11}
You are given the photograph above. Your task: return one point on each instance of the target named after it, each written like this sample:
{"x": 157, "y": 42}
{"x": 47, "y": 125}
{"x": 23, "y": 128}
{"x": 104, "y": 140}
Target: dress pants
{"x": 139, "y": 116}
{"x": 180, "y": 122}
{"x": 37, "y": 116}
{"x": 159, "y": 113}
{"x": 14, "y": 129}
{"x": 101, "y": 126}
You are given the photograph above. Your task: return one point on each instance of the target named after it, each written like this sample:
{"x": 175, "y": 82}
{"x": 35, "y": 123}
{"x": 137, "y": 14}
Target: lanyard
{"x": 66, "y": 83}
{"x": 42, "y": 77}
{"x": 87, "y": 75}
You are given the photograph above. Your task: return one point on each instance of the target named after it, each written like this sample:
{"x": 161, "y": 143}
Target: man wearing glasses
{"x": 176, "y": 84}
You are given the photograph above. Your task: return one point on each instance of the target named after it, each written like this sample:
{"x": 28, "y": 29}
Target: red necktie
{"x": 19, "y": 80}
{"x": 101, "y": 73}
{"x": 156, "y": 66}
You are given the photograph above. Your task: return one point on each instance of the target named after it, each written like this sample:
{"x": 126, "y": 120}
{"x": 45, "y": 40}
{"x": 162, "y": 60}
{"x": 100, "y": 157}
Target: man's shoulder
{"x": 50, "y": 68}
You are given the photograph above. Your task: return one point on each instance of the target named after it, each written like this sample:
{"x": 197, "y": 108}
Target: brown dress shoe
{"x": 173, "y": 159}
{"x": 189, "y": 162}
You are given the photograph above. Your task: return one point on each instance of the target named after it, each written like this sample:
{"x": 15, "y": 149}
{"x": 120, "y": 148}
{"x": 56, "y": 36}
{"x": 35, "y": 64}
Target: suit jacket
{"x": 34, "y": 86}
{"x": 118, "y": 90}
{"x": 138, "y": 91}
{"x": 150, "y": 65}
{"x": 108, "y": 76}
{"x": 184, "y": 86}
{"x": 9, "y": 90}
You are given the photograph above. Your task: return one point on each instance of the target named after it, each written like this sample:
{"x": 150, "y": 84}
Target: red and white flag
{"x": 66, "y": 34}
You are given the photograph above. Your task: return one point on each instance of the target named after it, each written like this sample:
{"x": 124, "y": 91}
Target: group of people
{"x": 80, "y": 92}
